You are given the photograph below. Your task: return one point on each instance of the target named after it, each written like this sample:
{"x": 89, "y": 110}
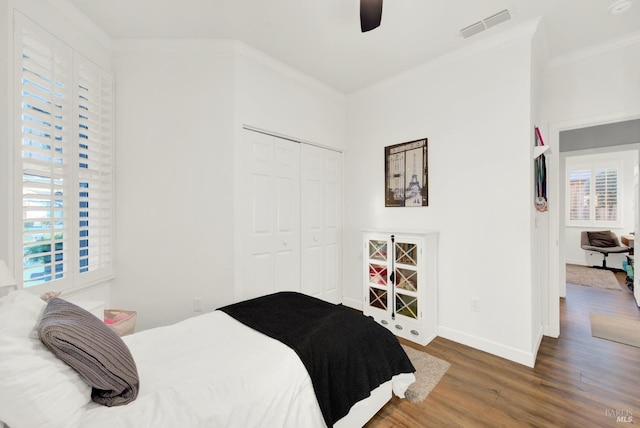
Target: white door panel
{"x": 321, "y": 223}
{"x": 289, "y": 218}
{"x": 269, "y": 215}
{"x": 312, "y": 269}
{"x": 260, "y": 276}
{"x": 261, "y": 209}
{"x": 331, "y": 261}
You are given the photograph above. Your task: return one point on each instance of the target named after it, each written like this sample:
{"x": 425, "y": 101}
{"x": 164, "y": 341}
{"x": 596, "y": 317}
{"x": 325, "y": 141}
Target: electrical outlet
{"x": 197, "y": 304}
{"x": 475, "y": 304}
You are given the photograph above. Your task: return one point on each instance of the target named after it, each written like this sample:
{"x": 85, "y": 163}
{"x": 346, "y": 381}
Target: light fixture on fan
{"x": 370, "y": 14}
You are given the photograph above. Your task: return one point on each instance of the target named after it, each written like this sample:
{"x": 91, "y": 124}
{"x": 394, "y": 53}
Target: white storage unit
{"x": 400, "y": 282}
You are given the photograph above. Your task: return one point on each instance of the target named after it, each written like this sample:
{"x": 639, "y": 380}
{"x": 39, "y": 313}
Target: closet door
{"x": 321, "y": 223}
{"x": 269, "y": 215}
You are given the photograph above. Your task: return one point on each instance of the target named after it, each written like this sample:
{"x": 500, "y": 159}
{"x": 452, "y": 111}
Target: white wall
{"x": 174, "y": 175}
{"x": 474, "y": 106}
{"x": 594, "y": 85}
{"x": 573, "y": 252}
{"x": 181, "y": 106}
{"x": 272, "y": 96}
{"x": 539, "y": 222}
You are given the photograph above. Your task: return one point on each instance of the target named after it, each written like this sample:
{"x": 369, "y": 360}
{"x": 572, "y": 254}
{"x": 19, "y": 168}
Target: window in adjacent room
{"x": 594, "y": 194}
{"x": 64, "y": 161}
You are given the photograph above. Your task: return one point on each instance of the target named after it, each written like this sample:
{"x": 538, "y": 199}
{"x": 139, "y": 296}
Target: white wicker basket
{"x": 120, "y": 321}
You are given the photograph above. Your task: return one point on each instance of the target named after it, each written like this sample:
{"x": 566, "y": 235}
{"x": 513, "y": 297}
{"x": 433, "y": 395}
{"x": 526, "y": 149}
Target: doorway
{"x": 609, "y": 134}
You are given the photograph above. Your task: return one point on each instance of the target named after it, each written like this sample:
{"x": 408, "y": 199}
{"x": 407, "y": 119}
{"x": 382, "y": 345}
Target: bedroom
{"x": 170, "y": 252}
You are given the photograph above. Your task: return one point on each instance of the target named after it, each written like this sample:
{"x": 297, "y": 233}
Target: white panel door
{"x": 286, "y": 243}
{"x": 332, "y": 236}
{"x": 269, "y": 215}
{"x": 321, "y": 223}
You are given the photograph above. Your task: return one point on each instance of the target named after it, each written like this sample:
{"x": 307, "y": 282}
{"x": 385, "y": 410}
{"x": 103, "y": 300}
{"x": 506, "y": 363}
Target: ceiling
{"x": 323, "y": 38}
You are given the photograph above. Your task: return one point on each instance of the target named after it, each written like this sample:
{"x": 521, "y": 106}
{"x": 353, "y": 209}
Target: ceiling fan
{"x": 370, "y": 14}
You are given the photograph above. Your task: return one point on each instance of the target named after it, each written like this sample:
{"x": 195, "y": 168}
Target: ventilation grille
{"x": 486, "y": 23}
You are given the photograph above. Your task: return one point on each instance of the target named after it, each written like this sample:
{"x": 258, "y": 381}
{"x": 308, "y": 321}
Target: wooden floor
{"x": 578, "y": 380}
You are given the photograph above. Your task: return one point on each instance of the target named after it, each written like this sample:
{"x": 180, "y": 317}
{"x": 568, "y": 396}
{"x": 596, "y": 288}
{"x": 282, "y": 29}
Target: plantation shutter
{"x": 579, "y": 194}
{"x": 95, "y": 167}
{"x": 606, "y": 194}
{"x": 45, "y": 136}
{"x": 592, "y": 190}
{"x": 64, "y": 164}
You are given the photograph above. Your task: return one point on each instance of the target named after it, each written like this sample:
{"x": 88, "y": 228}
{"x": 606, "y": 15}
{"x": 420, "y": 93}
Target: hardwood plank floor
{"x": 578, "y": 380}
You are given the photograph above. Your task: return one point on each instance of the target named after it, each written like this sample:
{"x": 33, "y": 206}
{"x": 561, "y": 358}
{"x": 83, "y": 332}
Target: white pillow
{"x": 37, "y": 389}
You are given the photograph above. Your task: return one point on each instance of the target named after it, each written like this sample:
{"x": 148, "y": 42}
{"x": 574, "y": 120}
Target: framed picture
{"x": 406, "y": 174}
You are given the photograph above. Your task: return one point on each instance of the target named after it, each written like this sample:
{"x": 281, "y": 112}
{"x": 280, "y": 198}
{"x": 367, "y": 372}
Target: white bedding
{"x": 212, "y": 371}
{"x": 207, "y": 371}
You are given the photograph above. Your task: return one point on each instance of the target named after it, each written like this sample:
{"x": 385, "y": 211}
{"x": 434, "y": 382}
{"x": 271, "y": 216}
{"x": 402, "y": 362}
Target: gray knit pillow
{"x": 91, "y": 348}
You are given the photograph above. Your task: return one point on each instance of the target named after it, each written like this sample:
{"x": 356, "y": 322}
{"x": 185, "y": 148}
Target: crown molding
{"x": 498, "y": 40}
{"x": 258, "y": 57}
{"x": 595, "y": 51}
{"x": 220, "y": 48}
{"x": 209, "y": 47}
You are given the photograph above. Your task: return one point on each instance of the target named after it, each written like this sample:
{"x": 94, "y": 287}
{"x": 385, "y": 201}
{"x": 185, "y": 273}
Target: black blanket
{"x": 346, "y": 353}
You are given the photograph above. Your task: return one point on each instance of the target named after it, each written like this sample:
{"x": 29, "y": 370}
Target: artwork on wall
{"x": 406, "y": 174}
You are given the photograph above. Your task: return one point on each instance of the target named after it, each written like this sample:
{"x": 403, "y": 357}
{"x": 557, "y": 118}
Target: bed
{"x": 212, "y": 370}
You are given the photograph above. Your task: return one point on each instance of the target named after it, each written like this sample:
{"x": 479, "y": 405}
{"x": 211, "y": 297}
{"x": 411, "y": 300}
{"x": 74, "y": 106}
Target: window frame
{"x": 75, "y": 276}
{"x": 580, "y": 163}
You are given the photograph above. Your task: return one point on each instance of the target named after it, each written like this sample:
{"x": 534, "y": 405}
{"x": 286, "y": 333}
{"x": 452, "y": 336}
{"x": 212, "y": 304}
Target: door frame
{"x": 557, "y": 272}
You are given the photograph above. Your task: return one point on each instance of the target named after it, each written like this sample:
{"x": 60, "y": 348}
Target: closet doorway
{"x": 288, "y": 218}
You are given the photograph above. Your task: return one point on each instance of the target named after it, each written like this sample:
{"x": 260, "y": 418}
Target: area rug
{"x": 429, "y": 371}
{"x": 617, "y": 329}
{"x": 592, "y": 277}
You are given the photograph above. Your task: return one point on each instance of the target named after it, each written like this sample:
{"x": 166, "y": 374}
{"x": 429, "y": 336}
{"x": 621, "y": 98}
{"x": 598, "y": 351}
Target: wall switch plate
{"x": 475, "y": 304}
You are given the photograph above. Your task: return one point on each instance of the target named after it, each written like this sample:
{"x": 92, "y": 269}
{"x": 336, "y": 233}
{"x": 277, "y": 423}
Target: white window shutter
{"x": 94, "y": 98}
{"x": 44, "y": 69}
{"x": 579, "y": 194}
{"x": 64, "y": 161}
{"x": 606, "y": 194}
{"x": 593, "y": 189}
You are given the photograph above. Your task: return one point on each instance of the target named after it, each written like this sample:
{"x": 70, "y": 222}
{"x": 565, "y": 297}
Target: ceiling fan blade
{"x": 370, "y": 14}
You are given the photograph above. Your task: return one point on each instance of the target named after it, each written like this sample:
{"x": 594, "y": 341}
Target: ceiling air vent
{"x": 472, "y": 29}
{"x": 486, "y": 23}
{"x": 497, "y": 18}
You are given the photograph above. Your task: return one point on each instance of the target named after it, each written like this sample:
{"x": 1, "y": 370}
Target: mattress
{"x": 213, "y": 371}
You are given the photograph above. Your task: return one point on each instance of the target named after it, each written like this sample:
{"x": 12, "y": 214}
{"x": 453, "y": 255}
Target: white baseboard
{"x": 507, "y": 352}
{"x": 537, "y": 341}
{"x": 352, "y": 303}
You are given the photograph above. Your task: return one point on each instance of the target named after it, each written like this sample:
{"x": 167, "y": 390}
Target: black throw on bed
{"x": 346, "y": 353}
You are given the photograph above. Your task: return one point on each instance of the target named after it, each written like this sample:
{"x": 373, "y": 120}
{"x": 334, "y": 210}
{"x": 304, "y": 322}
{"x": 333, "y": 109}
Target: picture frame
{"x": 407, "y": 174}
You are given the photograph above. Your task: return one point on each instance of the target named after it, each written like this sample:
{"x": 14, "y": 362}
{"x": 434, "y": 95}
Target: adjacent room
{"x": 420, "y": 173}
